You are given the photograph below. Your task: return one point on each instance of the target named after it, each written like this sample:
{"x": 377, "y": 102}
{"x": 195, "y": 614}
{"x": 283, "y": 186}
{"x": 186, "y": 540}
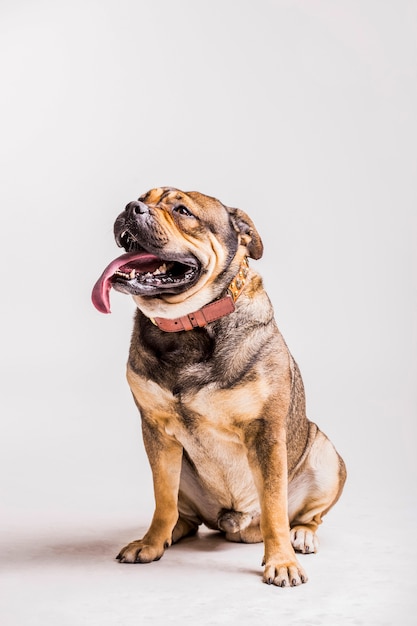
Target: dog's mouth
{"x": 139, "y": 272}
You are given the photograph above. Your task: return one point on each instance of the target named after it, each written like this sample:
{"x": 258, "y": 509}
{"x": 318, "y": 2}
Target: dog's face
{"x": 181, "y": 251}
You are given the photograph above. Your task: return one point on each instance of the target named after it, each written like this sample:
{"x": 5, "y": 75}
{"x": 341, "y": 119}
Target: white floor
{"x": 76, "y": 487}
{"x": 63, "y": 572}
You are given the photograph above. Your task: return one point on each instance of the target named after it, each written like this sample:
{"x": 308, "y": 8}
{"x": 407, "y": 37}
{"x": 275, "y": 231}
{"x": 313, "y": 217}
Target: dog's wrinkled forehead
{"x": 171, "y": 196}
{"x": 155, "y": 196}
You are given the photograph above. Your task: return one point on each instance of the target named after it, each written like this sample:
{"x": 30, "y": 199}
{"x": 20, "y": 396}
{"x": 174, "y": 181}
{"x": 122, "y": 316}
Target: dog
{"x": 221, "y": 398}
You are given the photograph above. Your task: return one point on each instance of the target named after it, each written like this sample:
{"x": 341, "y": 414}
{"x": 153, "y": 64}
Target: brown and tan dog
{"x": 220, "y": 396}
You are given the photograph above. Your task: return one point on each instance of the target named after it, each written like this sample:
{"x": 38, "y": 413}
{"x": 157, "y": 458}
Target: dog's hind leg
{"x": 314, "y": 489}
{"x": 183, "y": 528}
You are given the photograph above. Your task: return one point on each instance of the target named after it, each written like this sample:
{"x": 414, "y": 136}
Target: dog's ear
{"x": 248, "y": 233}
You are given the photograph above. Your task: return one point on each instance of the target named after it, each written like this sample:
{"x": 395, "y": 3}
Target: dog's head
{"x": 182, "y": 249}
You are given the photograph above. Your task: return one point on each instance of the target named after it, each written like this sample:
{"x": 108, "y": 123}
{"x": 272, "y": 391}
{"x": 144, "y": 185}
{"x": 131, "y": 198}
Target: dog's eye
{"x": 182, "y": 210}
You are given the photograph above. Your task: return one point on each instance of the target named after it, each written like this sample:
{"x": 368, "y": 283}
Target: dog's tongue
{"x": 142, "y": 261}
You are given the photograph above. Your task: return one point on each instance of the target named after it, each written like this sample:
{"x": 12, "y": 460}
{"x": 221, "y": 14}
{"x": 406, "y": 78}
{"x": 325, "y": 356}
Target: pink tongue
{"x": 101, "y": 290}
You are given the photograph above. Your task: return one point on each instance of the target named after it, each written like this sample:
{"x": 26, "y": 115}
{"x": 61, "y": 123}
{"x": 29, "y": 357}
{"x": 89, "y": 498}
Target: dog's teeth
{"x": 132, "y": 274}
{"x": 162, "y": 269}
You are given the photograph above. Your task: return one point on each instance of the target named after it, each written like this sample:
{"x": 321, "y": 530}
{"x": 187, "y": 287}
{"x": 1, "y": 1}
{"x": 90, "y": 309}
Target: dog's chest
{"x": 209, "y": 408}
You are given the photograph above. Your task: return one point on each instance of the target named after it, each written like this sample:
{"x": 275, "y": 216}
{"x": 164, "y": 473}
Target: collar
{"x": 210, "y": 312}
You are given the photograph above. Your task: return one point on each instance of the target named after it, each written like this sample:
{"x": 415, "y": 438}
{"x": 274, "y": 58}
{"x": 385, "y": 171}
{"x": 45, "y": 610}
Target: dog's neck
{"x": 210, "y": 312}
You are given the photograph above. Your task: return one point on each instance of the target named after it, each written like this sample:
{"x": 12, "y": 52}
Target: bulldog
{"x": 221, "y": 398}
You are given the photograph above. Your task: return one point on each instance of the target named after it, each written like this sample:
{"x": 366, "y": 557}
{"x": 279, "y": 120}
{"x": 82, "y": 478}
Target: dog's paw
{"x": 284, "y": 574}
{"x": 140, "y": 551}
{"x": 304, "y": 540}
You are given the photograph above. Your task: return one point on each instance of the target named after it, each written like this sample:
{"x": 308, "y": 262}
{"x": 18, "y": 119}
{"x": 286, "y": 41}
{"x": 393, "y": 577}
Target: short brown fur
{"x": 223, "y": 407}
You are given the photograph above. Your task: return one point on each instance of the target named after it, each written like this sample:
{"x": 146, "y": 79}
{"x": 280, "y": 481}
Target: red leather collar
{"x": 210, "y": 312}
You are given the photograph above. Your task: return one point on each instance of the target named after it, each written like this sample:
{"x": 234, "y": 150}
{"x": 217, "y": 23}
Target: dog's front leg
{"x": 165, "y": 457}
{"x": 267, "y": 454}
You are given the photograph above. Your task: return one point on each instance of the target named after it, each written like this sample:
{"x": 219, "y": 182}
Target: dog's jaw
{"x": 144, "y": 274}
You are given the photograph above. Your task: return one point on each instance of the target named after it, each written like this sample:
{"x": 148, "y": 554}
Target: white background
{"x": 303, "y": 114}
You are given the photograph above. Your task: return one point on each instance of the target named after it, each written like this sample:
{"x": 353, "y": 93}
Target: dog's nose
{"x": 137, "y": 207}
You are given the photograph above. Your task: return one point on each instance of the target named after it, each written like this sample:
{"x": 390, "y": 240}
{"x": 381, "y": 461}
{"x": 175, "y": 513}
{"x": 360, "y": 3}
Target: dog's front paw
{"x": 284, "y": 573}
{"x": 140, "y": 551}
